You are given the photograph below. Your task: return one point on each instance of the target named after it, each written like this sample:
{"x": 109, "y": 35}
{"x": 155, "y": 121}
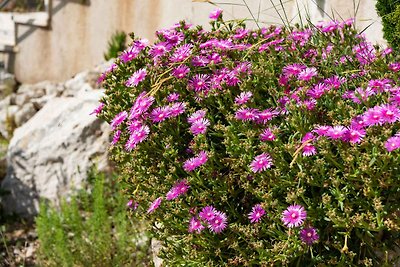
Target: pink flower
{"x": 136, "y": 78}
{"x": 247, "y": 114}
{"x": 243, "y": 98}
{"x": 293, "y": 69}
{"x": 394, "y": 66}
{"x": 141, "y": 105}
{"x": 172, "y": 97}
{"x": 154, "y": 205}
{"x": 118, "y": 119}
{"x": 178, "y": 189}
{"x": 207, "y": 213}
{"x": 261, "y": 163}
{"x": 354, "y": 135}
{"x": 135, "y": 125}
{"x": 195, "y": 162}
{"x": 137, "y": 137}
{"x": 199, "y": 126}
{"x": 215, "y": 14}
{"x": 97, "y": 110}
{"x": 200, "y": 82}
{"x": 309, "y": 235}
{"x": 195, "y": 225}
{"x": 336, "y": 132}
{"x": 160, "y": 49}
{"x": 373, "y": 116}
{"x": 198, "y": 115}
{"x": 267, "y": 135}
{"x": 130, "y": 54}
{"x": 256, "y": 213}
{"x": 309, "y": 150}
{"x": 294, "y": 216}
{"x": 176, "y": 109}
{"x": 266, "y": 115}
{"x": 182, "y": 53}
{"x": 307, "y": 74}
{"x": 389, "y": 113}
{"x": 392, "y": 143}
{"x": 116, "y": 137}
{"x": 218, "y": 223}
{"x": 322, "y": 130}
{"x": 160, "y": 114}
{"x": 181, "y": 71}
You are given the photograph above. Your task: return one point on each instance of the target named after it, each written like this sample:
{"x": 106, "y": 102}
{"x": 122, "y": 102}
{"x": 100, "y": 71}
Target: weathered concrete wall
{"x": 78, "y": 34}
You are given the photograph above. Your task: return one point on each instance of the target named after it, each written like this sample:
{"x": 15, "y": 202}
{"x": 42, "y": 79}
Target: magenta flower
{"x": 293, "y": 69}
{"x": 207, "y": 213}
{"x": 160, "y": 114}
{"x": 256, "y": 213}
{"x": 243, "y": 98}
{"x": 116, "y": 137}
{"x": 354, "y": 135}
{"x": 141, "y": 105}
{"x": 373, "y": 116}
{"x": 247, "y": 114}
{"x": 267, "y": 135}
{"x": 178, "y": 189}
{"x": 307, "y": 74}
{"x": 322, "y": 130}
{"x": 154, "y": 205}
{"x": 160, "y": 49}
{"x": 394, "y": 66}
{"x": 173, "y": 97}
{"x": 132, "y": 205}
{"x": 309, "y": 150}
{"x": 199, "y": 126}
{"x": 294, "y": 216}
{"x": 215, "y": 14}
{"x": 118, "y": 119}
{"x": 195, "y": 162}
{"x": 336, "y": 132}
{"x": 130, "y": 54}
{"x": 135, "y": 125}
{"x": 181, "y": 71}
{"x": 261, "y": 163}
{"x": 266, "y": 115}
{"x": 389, "y": 113}
{"x": 392, "y": 143}
{"x": 309, "y": 235}
{"x": 182, "y": 53}
{"x": 218, "y": 223}
{"x": 200, "y": 82}
{"x": 140, "y": 134}
{"x": 137, "y": 137}
{"x": 198, "y": 115}
{"x": 176, "y": 109}
{"x": 136, "y": 78}
{"x": 98, "y": 109}
{"x": 195, "y": 225}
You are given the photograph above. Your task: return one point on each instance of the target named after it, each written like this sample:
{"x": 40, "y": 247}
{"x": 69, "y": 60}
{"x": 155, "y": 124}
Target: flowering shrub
{"x": 276, "y": 146}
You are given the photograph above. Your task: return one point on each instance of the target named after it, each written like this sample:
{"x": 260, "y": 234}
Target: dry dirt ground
{"x": 18, "y": 243}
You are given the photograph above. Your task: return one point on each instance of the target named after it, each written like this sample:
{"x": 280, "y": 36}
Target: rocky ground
{"x": 48, "y": 141}
{"x": 18, "y": 244}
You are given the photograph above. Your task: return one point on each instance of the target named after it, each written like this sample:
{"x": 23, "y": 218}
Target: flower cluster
{"x": 240, "y": 124}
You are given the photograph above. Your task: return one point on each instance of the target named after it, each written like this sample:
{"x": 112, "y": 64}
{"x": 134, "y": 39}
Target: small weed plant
{"x": 92, "y": 229}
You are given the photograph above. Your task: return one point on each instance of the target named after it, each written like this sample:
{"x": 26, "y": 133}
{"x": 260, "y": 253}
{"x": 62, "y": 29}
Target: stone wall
{"x": 79, "y": 30}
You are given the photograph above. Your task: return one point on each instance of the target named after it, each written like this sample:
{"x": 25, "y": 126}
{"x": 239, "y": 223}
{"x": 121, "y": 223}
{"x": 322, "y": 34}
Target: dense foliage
{"x": 92, "y": 229}
{"x": 389, "y": 11}
{"x": 274, "y": 146}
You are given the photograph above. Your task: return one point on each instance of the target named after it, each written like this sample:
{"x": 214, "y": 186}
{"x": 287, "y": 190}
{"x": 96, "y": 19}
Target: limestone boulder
{"x": 49, "y": 156}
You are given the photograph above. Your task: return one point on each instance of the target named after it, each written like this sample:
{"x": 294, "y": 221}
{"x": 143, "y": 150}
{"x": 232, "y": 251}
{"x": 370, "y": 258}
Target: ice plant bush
{"x": 276, "y": 146}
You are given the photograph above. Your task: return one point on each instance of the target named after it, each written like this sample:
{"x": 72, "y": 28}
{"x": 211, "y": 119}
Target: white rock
{"x": 51, "y": 154}
{"x": 24, "y": 114}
